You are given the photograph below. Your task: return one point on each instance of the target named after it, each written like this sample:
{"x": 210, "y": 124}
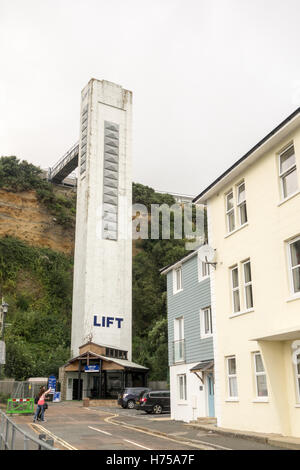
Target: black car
{"x": 154, "y": 402}
{"x": 128, "y": 396}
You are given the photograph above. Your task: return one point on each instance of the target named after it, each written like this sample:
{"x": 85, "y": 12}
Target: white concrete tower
{"x": 103, "y": 248}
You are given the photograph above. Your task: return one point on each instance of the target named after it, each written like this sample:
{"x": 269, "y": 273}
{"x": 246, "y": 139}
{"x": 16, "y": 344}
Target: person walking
{"x": 41, "y": 403}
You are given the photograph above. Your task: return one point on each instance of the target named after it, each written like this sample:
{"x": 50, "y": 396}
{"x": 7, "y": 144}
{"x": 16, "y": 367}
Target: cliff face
{"x": 24, "y": 217}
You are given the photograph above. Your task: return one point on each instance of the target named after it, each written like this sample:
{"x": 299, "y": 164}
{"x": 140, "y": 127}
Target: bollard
{"x": 43, "y": 437}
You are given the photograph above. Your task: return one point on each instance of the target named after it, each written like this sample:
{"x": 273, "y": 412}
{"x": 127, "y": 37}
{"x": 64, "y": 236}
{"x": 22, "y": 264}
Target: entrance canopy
{"x": 202, "y": 367}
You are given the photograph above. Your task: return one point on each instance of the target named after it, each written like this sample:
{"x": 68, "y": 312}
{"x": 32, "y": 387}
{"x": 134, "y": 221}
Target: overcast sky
{"x": 209, "y": 78}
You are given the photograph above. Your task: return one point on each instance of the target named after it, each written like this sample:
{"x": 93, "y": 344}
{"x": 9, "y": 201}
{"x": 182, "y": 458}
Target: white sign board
{"x": 2, "y": 352}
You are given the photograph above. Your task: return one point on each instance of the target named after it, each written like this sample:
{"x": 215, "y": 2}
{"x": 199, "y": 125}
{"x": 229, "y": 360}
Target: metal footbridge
{"x": 65, "y": 165}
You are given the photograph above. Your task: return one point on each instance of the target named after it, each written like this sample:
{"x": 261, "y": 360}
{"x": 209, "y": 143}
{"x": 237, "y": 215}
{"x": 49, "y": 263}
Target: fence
{"x": 12, "y": 437}
{"x": 159, "y": 385}
{"x": 15, "y": 389}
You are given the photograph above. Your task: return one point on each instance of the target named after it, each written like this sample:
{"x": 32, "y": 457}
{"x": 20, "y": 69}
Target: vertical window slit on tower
{"x": 110, "y": 181}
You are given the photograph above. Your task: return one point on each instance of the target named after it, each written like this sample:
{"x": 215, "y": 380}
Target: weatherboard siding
{"x": 194, "y": 296}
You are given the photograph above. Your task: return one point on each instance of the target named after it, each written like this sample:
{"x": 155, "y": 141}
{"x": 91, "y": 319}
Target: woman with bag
{"x": 41, "y": 403}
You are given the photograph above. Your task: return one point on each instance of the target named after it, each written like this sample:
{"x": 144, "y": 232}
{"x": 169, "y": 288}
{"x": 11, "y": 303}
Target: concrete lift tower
{"x": 102, "y": 299}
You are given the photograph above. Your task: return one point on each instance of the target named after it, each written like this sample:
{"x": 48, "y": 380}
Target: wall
{"x": 195, "y": 405}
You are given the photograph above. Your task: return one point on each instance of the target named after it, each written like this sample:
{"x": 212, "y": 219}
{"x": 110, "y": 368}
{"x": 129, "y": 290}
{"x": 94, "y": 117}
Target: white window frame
{"x": 175, "y": 279}
{"x": 256, "y": 375}
{"x": 247, "y": 284}
{"x": 179, "y": 338}
{"x": 297, "y": 375}
{"x": 201, "y": 268}
{"x": 291, "y": 268}
{"x": 241, "y": 203}
{"x": 283, "y": 174}
{"x": 235, "y": 289}
{"x": 203, "y": 334}
{"x": 231, "y": 376}
{"x": 182, "y": 387}
{"x": 229, "y": 211}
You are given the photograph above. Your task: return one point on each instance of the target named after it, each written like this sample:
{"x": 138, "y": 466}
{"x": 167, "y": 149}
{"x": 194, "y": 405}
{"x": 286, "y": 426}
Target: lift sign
{"x": 105, "y": 322}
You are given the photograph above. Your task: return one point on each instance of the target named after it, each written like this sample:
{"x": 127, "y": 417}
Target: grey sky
{"x": 210, "y": 78}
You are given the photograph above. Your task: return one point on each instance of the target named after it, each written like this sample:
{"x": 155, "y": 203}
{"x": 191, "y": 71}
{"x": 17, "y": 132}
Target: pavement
{"x": 74, "y": 427}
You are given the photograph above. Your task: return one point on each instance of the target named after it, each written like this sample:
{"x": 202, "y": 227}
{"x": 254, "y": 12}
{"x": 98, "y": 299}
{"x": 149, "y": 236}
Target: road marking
{"x": 135, "y": 444}
{"x": 37, "y": 427}
{"x": 99, "y": 430}
{"x": 202, "y": 446}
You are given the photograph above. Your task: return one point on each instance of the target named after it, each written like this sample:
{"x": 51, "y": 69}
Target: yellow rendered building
{"x": 254, "y": 227}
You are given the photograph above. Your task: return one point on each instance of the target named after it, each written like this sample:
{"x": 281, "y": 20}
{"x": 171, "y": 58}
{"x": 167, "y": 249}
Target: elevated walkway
{"x": 65, "y": 165}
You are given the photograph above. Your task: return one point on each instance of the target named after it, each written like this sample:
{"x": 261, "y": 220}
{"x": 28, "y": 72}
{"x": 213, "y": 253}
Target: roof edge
{"x": 250, "y": 152}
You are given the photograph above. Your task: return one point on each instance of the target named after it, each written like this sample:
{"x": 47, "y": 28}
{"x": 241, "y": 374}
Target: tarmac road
{"x": 74, "y": 427}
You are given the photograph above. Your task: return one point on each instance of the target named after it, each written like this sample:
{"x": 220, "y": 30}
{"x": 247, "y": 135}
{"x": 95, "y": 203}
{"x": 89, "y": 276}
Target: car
{"x": 155, "y": 401}
{"x": 128, "y": 396}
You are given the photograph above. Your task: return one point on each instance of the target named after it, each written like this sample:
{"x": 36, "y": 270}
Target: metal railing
{"x": 74, "y": 150}
{"x": 12, "y": 437}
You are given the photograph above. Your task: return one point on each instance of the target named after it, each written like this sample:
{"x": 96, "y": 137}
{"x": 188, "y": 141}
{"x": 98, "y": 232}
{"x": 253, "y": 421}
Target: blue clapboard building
{"x": 190, "y": 338}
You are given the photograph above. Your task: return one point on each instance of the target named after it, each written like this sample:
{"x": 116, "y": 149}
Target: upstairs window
{"x": 235, "y": 290}
{"x": 206, "y": 328}
{"x": 248, "y": 285}
{"x": 288, "y": 172}
{"x": 177, "y": 279}
{"x": 230, "y": 212}
{"x": 179, "y": 339}
{"x": 241, "y": 203}
{"x": 203, "y": 270}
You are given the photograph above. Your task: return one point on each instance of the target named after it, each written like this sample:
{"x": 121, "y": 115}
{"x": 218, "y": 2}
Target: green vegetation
{"x": 150, "y": 328}
{"x": 37, "y": 284}
{"x": 17, "y": 176}
{"x": 145, "y": 195}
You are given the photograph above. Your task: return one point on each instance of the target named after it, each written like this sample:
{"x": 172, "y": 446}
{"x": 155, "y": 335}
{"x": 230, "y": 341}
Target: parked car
{"x": 129, "y": 396}
{"x": 155, "y": 401}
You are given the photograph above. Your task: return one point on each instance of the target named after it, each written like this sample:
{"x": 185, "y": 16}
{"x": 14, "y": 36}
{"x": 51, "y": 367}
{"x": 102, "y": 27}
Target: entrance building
{"x": 100, "y": 373}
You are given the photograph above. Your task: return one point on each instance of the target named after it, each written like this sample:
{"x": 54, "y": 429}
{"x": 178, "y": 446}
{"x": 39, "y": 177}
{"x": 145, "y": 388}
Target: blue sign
{"x": 56, "y": 397}
{"x": 52, "y": 383}
{"x": 93, "y": 368}
{"x": 105, "y": 322}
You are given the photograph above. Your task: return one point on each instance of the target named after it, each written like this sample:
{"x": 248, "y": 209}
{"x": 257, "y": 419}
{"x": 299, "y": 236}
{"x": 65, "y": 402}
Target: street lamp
{"x": 4, "y": 310}
{"x": 4, "y": 307}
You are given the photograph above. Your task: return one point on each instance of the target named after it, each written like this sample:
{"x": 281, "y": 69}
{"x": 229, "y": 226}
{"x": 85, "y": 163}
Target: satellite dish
{"x": 206, "y": 254}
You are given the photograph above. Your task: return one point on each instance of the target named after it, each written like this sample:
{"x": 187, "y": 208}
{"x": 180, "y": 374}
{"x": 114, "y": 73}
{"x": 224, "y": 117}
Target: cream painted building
{"x": 254, "y": 226}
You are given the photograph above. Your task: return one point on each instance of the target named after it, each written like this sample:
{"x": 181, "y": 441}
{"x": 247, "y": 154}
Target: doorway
{"x": 210, "y": 395}
{"x": 75, "y": 389}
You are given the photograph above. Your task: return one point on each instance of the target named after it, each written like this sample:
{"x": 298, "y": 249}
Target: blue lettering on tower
{"x": 106, "y": 322}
